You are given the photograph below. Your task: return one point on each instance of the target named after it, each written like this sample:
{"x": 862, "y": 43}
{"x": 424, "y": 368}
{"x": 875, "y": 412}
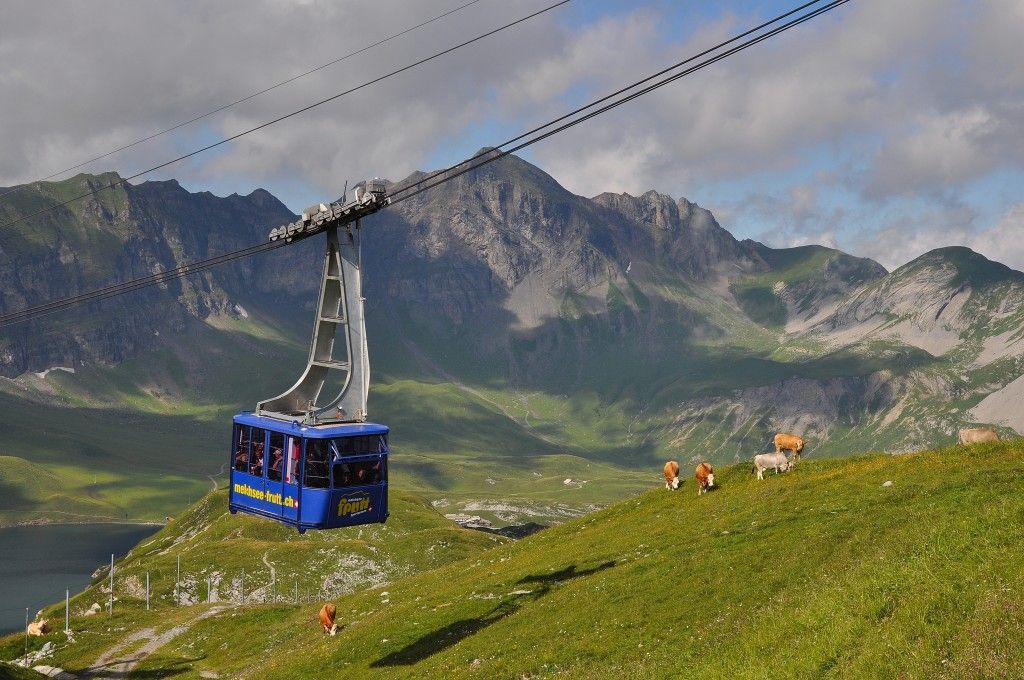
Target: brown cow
{"x": 976, "y": 435}
{"x": 705, "y": 475}
{"x": 671, "y": 475}
{"x": 39, "y": 628}
{"x": 789, "y": 442}
{"x": 327, "y": 614}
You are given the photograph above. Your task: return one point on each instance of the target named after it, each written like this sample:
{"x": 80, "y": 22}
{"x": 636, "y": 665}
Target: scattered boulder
{"x": 887, "y": 483}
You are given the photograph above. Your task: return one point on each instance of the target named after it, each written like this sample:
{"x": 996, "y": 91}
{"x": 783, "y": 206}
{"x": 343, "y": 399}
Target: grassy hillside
{"x": 226, "y": 558}
{"x": 825, "y": 571}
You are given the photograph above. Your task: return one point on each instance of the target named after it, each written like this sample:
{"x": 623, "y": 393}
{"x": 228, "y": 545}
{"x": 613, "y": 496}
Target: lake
{"x": 37, "y": 563}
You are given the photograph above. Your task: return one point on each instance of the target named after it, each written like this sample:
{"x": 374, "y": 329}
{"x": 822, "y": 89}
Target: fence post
{"x": 67, "y": 610}
{"x": 177, "y": 580}
{"x": 26, "y": 636}
{"x": 111, "y": 584}
{"x": 295, "y": 597}
{"x": 208, "y": 600}
{"x": 243, "y": 586}
{"x": 147, "y": 591}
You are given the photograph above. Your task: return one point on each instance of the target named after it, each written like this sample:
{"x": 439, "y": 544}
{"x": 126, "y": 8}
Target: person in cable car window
{"x": 316, "y": 464}
{"x": 241, "y": 460}
{"x": 256, "y": 468}
{"x": 242, "y": 452}
{"x": 276, "y": 457}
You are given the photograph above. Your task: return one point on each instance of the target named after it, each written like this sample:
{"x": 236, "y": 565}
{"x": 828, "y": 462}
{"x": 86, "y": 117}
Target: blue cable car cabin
{"x": 302, "y": 458}
{"x": 309, "y": 476}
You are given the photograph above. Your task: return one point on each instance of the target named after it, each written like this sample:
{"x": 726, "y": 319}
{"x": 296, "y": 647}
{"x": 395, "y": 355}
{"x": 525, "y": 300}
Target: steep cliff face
{"x": 947, "y": 299}
{"x": 119, "y": 235}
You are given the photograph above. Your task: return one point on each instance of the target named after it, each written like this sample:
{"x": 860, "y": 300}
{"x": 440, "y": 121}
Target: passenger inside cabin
{"x": 342, "y": 475}
{"x": 276, "y": 458}
{"x": 256, "y": 467}
{"x": 242, "y": 450}
{"x": 316, "y": 464}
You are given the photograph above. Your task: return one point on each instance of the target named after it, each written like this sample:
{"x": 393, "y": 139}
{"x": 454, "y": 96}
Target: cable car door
{"x": 282, "y": 502}
{"x": 290, "y": 484}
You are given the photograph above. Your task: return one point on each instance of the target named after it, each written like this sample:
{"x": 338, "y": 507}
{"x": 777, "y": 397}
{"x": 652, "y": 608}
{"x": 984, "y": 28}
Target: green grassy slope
{"x": 221, "y": 553}
{"x": 822, "y": 572}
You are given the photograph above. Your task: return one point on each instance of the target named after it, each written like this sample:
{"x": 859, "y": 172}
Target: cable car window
{"x": 355, "y": 446}
{"x": 316, "y": 464}
{"x": 258, "y": 451}
{"x": 242, "y": 448}
{"x": 359, "y": 473}
{"x": 276, "y": 456}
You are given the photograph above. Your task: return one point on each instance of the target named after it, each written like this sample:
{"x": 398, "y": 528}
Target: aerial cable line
{"x": 184, "y": 270}
{"x": 490, "y": 156}
{"x": 410, "y": 187}
{"x": 246, "y": 98}
{"x": 125, "y": 180}
{"x": 136, "y": 284}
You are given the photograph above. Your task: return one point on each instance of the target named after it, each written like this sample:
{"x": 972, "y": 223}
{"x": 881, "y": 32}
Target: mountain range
{"x": 511, "y": 320}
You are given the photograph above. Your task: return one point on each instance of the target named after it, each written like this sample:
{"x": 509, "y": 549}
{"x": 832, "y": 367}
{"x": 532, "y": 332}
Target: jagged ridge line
{"x": 28, "y": 313}
{"x": 628, "y": 98}
{"x": 613, "y": 94}
{"x": 231, "y": 138}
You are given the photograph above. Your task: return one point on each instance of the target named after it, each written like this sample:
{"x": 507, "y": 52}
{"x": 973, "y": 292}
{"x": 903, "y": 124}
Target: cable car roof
{"x": 296, "y": 428}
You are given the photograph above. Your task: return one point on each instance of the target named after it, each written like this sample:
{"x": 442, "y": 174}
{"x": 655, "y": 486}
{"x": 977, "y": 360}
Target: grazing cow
{"x": 975, "y": 435}
{"x": 39, "y": 628}
{"x": 770, "y": 461}
{"x": 705, "y": 475}
{"x": 789, "y": 442}
{"x": 327, "y": 614}
{"x": 671, "y": 475}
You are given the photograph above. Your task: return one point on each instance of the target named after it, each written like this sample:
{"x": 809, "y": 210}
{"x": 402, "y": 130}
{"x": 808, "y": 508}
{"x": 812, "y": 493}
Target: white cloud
{"x": 79, "y": 80}
{"x": 1004, "y": 242}
{"x": 947, "y": 149}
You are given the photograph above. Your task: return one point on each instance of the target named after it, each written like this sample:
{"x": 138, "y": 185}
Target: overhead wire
{"x": 489, "y": 157}
{"x": 225, "y": 140}
{"x": 136, "y": 284}
{"x": 448, "y": 174}
{"x": 248, "y": 97}
{"x": 605, "y": 98}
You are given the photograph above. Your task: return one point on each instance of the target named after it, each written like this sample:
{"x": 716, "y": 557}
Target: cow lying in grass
{"x": 770, "y": 461}
{"x": 976, "y": 435}
{"x": 705, "y": 475}
{"x": 671, "y": 475}
{"x": 327, "y": 614}
{"x": 39, "y": 627}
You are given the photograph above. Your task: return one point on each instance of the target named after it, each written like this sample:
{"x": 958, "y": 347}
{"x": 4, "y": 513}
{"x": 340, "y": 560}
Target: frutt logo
{"x": 353, "y": 505}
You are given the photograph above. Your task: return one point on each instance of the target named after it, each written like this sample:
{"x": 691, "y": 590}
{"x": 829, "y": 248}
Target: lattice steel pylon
{"x": 338, "y": 352}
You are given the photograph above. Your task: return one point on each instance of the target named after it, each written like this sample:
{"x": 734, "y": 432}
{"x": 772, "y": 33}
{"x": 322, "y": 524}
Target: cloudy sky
{"x": 886, "y": 128}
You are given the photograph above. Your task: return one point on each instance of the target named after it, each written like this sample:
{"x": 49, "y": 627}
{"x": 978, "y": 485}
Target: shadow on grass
{"x": 457, "y": 631}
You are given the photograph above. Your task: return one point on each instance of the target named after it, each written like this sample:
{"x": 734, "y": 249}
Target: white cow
{"x": 770, "y": 461}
